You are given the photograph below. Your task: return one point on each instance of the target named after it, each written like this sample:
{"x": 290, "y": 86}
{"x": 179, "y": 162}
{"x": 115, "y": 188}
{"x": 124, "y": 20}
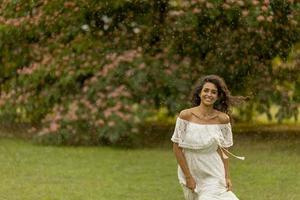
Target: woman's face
{"x": 209, "y": 94}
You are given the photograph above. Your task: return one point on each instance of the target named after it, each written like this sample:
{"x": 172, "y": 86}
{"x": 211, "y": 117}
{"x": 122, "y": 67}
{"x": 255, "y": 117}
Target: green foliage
{"x": 93, "y": 71}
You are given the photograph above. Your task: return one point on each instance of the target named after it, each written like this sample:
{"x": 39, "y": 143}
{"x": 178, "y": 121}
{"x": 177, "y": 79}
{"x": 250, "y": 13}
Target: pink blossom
{"x": 98, "y": 102}
{"x": 270, "y": 18}
{"x": 122, "y": 115}
{"x": 54, "y": 127}
{"x": 168, "y": 71}
{"x": 44, "y": 131}
{"x": 2, "y": 102}
{"x": 143, "y": 102}
{"x": 94, "y": 79}
{"x": 241, "y": 3}
{"x": 69, "y": 4}
{"x": 111, "y": 56}
{"x": 72, "y": 117}
{"x": 32, "y": 130}
{"x": 116, "y": 107}
{"x": 129, "y": 73}
{"x": 46, "y": 59}
{"x": 230, "y": 1}
{"x": 111, "y": 123}
{"x": 57, "y": 73}
{"x": 264, "y": 8}
{"x": 113, "y": 94}
{"x": 196, "y": 11}
{"x": 176, "y": 13}
{"x": 260, "y": 18}
{"x": 57, "y": 117}
{"x": 226, "y": 6}
{"x": 85, "y": 89}
{"x": 209, "y": 5}
{"x": 99, "y": 122}
{"x": 255, "y": 2}
{"x": 94, "y": 110}
{"x": 126, "y": 94}
{"x": 28, "y": 70}
{"x": 126, "y": 117}
{"x": 19, "y": 99}
{"x": 72, "y": 112}
{"x": 73, "y": 106}
{"x": 107, "y": 113}
{"x": 245, "y": 13}
{"x": 71, "y": 72}
{"x": 142, "y": 66}
{"x": 174, "y": 66}
{"x": 87, "y": 104}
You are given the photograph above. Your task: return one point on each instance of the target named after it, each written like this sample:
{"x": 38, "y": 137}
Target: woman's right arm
{"x": 190, "y": 182}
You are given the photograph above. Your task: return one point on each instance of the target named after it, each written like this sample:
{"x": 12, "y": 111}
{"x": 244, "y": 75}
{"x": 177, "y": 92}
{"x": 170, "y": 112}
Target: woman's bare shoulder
{"x": 185, "y": 114}
{"x": 223, "y": 118}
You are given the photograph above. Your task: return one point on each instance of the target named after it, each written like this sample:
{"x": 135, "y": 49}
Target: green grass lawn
{"x": 271, "y": 171}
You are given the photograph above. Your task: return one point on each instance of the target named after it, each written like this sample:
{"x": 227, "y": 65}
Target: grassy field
{"x": 32, "y": 172}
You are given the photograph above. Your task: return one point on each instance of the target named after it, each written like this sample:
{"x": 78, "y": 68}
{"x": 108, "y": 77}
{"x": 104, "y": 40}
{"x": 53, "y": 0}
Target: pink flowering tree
{"x": 88, "y": 72}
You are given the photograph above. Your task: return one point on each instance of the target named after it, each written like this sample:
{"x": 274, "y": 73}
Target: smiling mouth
{"x": 207, "y": 99}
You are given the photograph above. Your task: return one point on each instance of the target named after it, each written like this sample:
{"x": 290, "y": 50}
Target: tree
{"x": 93, "y": 71}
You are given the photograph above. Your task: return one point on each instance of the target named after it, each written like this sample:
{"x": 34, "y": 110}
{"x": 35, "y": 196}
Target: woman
{"x": 200, "y": 141}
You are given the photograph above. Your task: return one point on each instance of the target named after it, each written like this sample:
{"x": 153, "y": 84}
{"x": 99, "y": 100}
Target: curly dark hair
{"x": 225, "y": 100}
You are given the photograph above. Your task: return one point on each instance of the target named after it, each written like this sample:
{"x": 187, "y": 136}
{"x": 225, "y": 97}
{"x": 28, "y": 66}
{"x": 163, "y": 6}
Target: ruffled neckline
{"x": 198, "y": 124}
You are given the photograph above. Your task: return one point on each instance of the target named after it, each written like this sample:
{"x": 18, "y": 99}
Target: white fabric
{"x": 227, "y": 195}
{"x": 200, "y": 143}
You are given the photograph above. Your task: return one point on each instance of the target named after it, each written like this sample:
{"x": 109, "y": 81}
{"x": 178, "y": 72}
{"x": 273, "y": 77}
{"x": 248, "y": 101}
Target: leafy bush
{"x": 92, "y": 71}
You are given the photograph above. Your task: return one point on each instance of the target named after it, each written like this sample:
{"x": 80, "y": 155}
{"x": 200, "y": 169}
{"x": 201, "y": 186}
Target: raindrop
{"x": 106, "y": 27}
{"x": 136, "y": 30}
{"x": 85, "y": 27}
{"x": 106, "y": 19}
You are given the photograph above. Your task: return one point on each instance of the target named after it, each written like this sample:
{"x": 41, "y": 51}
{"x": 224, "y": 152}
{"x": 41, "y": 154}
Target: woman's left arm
{"x": 226, "y": 167}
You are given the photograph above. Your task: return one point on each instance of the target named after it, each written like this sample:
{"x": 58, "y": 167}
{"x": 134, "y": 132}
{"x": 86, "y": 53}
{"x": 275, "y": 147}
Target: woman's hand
{"x": 228, "y": 184}
{"x": 190, "y": 183}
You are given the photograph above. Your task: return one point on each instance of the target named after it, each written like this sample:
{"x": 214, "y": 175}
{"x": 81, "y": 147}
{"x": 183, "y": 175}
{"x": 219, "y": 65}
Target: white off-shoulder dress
{"x": 200, "y": 143}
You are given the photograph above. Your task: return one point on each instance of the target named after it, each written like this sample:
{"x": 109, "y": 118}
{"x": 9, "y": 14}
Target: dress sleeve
{"x": 179, "y": 131}
{"x": 226, "y": 137}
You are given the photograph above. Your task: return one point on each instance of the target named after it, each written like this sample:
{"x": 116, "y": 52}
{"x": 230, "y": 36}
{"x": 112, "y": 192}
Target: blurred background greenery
{"x": 95, "y": 72}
